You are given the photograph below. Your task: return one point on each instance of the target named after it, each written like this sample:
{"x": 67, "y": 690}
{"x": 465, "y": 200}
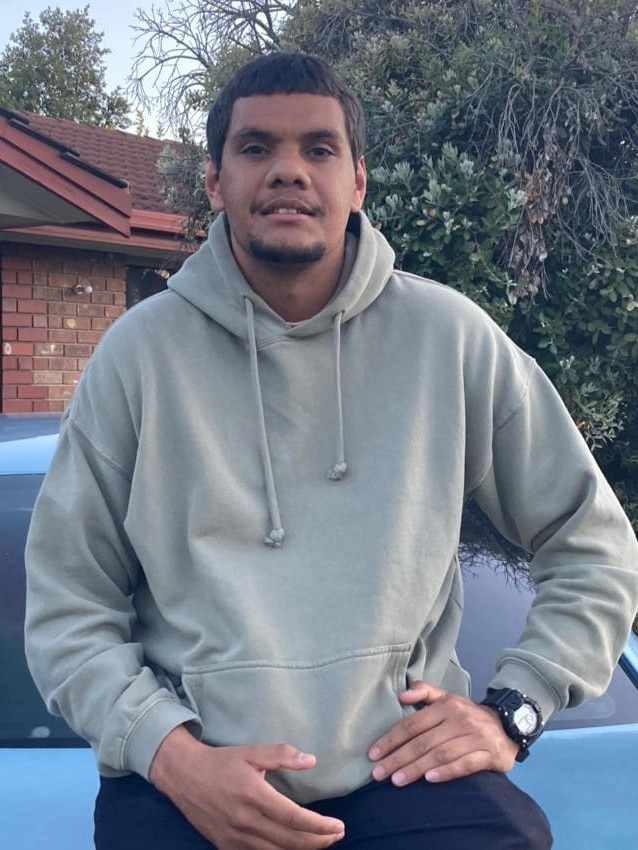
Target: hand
{"x": 223, "y": 792}
{"x": 449, "y": 738}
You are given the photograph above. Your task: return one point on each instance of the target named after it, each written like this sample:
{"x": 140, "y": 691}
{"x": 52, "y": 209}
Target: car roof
{"x": 27, "y": 442}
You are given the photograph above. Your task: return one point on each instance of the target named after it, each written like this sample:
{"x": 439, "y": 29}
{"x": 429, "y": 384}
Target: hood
{"x": 211, "y": 281}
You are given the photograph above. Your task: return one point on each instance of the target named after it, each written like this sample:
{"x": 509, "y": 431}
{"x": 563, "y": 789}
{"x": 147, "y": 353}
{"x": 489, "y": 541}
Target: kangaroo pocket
{"x": 334, "y": 708}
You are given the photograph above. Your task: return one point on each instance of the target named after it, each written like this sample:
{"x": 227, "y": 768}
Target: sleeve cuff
{"x": 150, "y": 729}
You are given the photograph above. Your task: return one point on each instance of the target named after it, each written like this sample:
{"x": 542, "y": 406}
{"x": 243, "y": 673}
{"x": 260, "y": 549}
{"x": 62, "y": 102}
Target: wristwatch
{"x": 520, "y": 715}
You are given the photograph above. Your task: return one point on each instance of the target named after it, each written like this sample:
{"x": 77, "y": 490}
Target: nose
{"x": 289, "y": 168}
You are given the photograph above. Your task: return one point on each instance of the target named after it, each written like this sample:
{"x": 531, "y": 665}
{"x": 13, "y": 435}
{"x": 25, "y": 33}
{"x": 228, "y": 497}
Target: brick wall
{"x": 49, "y": 331}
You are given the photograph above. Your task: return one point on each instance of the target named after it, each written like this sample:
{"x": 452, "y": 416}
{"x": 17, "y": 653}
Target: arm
{"x": 543, "y": 490}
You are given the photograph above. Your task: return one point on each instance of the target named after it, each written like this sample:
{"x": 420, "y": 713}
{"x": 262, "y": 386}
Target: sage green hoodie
{"x": 205, "y": 427}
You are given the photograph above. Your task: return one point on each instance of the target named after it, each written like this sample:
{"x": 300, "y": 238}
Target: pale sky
{"x": 112, "y": 17}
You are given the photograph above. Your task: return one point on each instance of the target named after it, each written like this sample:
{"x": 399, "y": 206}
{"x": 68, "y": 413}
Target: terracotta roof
{"x": 123, "y": 155}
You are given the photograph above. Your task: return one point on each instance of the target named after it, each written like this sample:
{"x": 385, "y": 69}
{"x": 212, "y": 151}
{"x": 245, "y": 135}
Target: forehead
{"x": 287, "y": 115}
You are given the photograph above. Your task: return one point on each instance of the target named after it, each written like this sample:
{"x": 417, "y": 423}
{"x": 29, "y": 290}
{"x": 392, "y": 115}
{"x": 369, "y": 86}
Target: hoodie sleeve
{"x": 81, "y": 574}
{"x": 543, "y": 490}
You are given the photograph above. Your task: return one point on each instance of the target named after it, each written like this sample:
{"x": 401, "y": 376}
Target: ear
{"x": 360, "y": 182}
{"x": 213, "y": 188}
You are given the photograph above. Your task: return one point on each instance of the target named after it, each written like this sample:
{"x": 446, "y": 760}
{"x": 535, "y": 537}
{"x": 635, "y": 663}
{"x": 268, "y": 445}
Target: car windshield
{"x": 497, "y": 598}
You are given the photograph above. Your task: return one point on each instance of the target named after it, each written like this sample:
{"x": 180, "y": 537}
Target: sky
{"x": 112, "y": 17}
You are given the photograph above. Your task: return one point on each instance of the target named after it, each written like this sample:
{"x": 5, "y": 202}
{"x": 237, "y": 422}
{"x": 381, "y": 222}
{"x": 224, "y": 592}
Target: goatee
{"x": 286, "y": 254}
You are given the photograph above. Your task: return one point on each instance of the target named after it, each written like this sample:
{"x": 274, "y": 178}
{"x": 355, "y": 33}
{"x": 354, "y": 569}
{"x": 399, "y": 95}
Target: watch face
{"x": 525, "y": 719}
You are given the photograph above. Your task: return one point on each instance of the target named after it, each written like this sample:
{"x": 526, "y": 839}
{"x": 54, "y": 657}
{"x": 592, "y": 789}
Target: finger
{"x": 278, "y": 756}
{"x": 420, "y": 691}
{"x": 283, "y": 811}
{"x": 404, "y": 730}
{"x": 281, "y": 836}
{"x": 447, "y": 757}
{"x": 414, "y": 750}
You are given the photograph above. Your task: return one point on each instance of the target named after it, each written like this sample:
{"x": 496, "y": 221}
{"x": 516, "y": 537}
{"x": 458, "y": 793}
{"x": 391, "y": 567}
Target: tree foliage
{"x": 502, "y": 156}
{"x": 55, "y": 66}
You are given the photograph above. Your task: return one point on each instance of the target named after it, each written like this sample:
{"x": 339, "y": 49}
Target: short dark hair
{"x": 284, "y": 73}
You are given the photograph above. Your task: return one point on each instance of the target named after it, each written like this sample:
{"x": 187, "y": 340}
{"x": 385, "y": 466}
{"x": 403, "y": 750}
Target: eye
{"x": 253, "y": 150}
{"x": 321, "y": 152}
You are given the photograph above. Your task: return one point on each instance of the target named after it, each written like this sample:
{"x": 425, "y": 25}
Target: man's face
{"x": 287, "y": 182}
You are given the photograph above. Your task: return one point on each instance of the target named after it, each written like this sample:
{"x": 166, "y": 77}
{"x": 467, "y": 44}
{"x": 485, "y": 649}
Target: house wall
{"x": 49, "y": 332}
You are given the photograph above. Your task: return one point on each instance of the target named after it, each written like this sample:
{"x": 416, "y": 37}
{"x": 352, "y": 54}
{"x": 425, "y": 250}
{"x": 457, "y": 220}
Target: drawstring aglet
{"x": 275, "y": 538}
{"x": 337, "y": 472}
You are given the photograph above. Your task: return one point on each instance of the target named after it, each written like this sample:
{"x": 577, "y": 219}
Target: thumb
{"x": 420, "y": 691}
{"x": 277, "y": 756}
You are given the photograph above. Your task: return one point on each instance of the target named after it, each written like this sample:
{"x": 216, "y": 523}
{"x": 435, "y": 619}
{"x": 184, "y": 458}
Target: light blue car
{"x": 583, "y": 770}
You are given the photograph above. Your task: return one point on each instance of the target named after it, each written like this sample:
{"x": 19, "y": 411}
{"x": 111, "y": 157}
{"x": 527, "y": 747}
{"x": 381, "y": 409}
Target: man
{"x": 306, "y": 691}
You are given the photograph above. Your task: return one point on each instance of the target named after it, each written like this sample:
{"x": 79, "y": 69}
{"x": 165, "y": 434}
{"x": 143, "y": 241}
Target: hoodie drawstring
{"x": 277, "y": 534}
{"x": 341, "y": 467}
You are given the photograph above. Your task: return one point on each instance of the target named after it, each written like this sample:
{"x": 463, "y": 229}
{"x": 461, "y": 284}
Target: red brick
{"x": 62, "y": 363}
{"x": 102, "y": 298}
{"x": 101, "y": 324}
{"x": 119, "y": 298}
{"x": 9, "y": 305}
{"x": 9, "y": 334}
{"x": 40, "y": 321}
{"x": 40, "y": 363}
{"x": 61, "y": 392}
{"x": 33, "y": 392}
{"x": 82, "y": 361}
{"x": 75, "y": 323}
{"x": 25, "y": 278}
{"x": 78, "y": 351}
{"x": 75, "y": 265}
{"x": 10, "y": 290}
{"x": 14, "y": 376}
{"x": 9, "y": 363}
{"x": 32, "y": 306}
{"x": 54, "y": 322}
{"x": 90, "y": 336}
{"x": 31, "y": 334}
{"x": 93, "y": 310}
{"x": 63, "y": 281}
{"x": 115, "y": 285}
{"x": 25, "y": 363}
{"x": 24, "y": 349}
{"x": 98, "y": 283}
{"x": 71, "y": 377}
{"x": 16, "y": 320}
{"x": 48, "y": 293}
{"x": 49, "y": 349}
{"x": 63, "y": 336}
{"x": 22, "y": 405}
{"x": 17, "y": 263}
{"x": 63, "y": 308}
{"x": 41, "y": 278}
{"x": 48, "y": 406}
{"x": 9, "y": 392}
{"x": 9, "y": 278}
{"x": 49, "y": 377}
{"x": 114, "y": 312}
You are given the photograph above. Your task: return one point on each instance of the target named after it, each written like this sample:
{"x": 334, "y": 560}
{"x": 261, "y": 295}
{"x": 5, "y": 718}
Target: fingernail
{"x": 399, "y": 778}
{"x": 432, "y": 775}
{"x": 338, "y": 826}
{"x": 379, "y": 772}
{"x": 374, "y": 753}
{"x": 305, "y": 758}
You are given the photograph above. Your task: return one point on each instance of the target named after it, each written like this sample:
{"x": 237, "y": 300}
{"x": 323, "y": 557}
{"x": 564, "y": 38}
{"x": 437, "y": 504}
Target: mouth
{"x": 285, "y": 207}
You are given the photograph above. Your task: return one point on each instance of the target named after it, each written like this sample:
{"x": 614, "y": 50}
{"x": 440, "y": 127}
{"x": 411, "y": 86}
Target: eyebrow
{"x": 320, "y": 134}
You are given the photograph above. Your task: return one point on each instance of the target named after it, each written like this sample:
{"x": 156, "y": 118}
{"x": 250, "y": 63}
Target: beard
{"x": 282, "y": 254}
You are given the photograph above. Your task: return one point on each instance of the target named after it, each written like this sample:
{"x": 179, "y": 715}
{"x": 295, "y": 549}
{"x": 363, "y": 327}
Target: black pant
{"x": 481, "y": 812}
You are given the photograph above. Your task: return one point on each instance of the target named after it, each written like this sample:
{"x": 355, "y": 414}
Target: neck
{"x": 294, "y": 292}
